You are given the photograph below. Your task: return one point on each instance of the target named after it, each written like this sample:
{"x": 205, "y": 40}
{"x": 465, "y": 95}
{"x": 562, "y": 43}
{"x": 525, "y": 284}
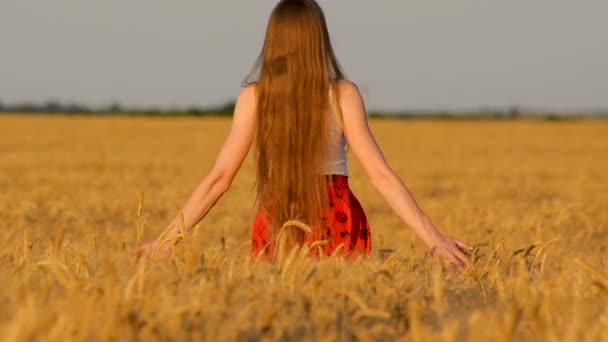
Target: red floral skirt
{"x": 345, "y": 224}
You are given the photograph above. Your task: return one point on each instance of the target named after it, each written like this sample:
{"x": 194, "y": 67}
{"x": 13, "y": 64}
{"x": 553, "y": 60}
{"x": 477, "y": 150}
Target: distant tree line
{"x": 56, "y": 107}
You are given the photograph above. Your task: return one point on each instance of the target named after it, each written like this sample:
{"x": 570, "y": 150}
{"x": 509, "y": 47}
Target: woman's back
{"x": 343, "y": 225}
{"x": 337, "y": 163}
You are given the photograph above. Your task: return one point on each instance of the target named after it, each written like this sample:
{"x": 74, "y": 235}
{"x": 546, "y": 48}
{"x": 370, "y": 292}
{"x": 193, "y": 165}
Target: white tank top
{"x": 337, "y": 163}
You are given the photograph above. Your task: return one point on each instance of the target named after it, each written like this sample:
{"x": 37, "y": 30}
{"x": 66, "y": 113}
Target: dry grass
{"x": 532, "y": 195}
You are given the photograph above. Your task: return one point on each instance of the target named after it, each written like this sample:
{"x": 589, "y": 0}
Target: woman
{"x": 301, "y": 112}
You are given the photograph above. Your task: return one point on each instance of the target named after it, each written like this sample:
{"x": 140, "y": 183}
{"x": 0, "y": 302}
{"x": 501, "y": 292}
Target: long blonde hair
{"x": 296, "y": 71}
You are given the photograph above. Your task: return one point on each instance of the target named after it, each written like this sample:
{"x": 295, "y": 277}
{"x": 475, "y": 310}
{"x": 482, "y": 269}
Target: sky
{"x": 404, "y": 55}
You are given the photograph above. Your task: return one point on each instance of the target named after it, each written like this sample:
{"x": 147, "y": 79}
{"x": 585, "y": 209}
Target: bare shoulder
{"x": 248, "y": 93}
{"x": 348, "y": 90}
{"x": 351, "y": 101}
{"x": 246, "y": 102}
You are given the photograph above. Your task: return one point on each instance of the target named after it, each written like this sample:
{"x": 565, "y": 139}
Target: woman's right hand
{"x": 452, "y": 250}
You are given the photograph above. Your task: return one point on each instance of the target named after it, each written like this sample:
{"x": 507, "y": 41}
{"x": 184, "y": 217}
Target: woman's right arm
{"x": 387, "y": 182}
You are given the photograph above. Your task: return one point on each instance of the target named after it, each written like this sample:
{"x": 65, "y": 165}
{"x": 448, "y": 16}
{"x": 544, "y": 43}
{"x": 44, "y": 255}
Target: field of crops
{"x": 532, "y": 195}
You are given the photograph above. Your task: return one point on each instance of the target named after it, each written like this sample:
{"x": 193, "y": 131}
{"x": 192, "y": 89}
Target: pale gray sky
{"x": 419, "y": 54}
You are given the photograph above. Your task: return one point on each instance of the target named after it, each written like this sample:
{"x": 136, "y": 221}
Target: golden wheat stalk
{"x": 542, "y": 249}
{"x": 140, "y": 220}
{"x": 371, "y": 313}
{"x": 280, "y": 244}
{"x": 601, "y": 279}
{"x": 61, "y": 272}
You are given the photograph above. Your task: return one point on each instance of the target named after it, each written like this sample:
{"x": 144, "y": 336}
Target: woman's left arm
{"x": 217, "y": 182}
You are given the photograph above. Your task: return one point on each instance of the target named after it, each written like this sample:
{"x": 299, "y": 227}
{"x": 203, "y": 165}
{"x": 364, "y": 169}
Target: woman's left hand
{"x": 152, "y": 248}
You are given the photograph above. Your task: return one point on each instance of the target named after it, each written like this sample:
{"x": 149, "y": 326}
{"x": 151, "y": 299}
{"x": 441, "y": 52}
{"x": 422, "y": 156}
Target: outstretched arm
{"x": 219, "y": 179}
{"x": 387, "y": 182}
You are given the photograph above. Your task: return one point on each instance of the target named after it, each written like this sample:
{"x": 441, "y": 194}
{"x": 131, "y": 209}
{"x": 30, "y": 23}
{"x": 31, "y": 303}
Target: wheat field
{"x": 76, "y": 193}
